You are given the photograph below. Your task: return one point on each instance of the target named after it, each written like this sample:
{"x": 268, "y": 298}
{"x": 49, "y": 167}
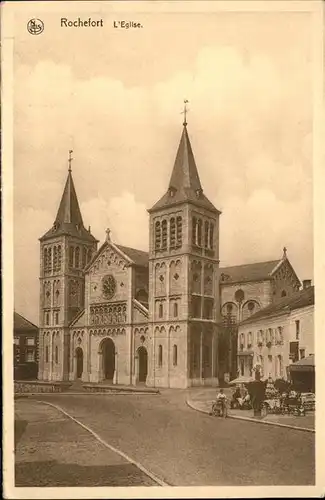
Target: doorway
{"x": 80, "y": 361}
{"x": 143, "y": 364}
{"x": 108, "y": 353}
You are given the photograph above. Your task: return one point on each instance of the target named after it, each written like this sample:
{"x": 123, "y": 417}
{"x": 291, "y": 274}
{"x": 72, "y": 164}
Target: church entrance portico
{"x": 142, "y": 365}
{"x": 108, "y": 353}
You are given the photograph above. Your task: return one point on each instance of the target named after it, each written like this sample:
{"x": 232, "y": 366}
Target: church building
{"x": 167, "y": 318}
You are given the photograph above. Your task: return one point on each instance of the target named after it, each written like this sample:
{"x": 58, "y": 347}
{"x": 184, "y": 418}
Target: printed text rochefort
{"x": 81, "y": 23}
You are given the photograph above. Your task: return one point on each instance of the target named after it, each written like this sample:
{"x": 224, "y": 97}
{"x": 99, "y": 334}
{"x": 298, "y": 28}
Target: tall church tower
{"x": 183, "y": 279}
{"x": 65, "y": 251}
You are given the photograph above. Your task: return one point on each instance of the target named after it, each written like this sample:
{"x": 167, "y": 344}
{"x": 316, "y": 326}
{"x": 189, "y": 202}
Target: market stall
{"x": 302, "y": 374}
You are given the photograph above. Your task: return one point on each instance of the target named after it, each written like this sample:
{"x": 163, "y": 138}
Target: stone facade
{"x": 123, "y": 316}
{"x": 277, "y": 337}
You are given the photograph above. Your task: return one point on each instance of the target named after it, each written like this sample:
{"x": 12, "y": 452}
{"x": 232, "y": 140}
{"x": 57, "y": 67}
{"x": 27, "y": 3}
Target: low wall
{"x": 27, "y": 386}
{"x": 118, "y": 389}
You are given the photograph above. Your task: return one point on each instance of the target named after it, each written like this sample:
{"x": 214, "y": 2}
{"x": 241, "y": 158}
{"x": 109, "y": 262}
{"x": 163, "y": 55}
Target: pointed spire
{"x": 68, "y": 219}
{"x": 184, "y": 184}
{"x": 284, "y": 253}
{"x": 69, "y": 211}
{"x": 185, "y": 174}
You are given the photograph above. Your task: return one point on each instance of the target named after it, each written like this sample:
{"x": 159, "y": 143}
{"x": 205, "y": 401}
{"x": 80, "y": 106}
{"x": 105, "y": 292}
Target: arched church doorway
{"x": 108, "y": 353}
{"x": 143, "y": 364}
{"x": 79, "y": 361}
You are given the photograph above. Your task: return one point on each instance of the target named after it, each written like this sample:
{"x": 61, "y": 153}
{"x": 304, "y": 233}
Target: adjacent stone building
{"x": 166, "y": 318}
{"x": 25, "y": 343}
{"x": 278, "y": 335}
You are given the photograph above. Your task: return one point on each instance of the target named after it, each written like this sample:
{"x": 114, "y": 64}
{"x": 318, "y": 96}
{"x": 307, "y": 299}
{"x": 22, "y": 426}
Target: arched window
{"x": 172, "y": 233}
{"x": 71, "y": 256}
{"x": 242, "y": 341}
{"x": 280, "y": 364}
{"x": 283, "y": 293}
{"x": 206, "y": 234}
{"x": 251, "y": 307}
{"x": 164, "y": 234}
{"x": 59, "y": 257}
{"x": 55, "y": 258}
{"x": 49, "y": 257}
{"x": 174, "y": 355}
{"x": 161, "y": 311}
{"x": 194, "y": 229}
{"x": 211, "y": 234}
{"x": 160, "y": 355}
{"x": 56, "y": 318}
{"x": 56, "y": 354}
{"x": 229, "y": 308}
{"x": 157, "y": 235}
{"x": 47, "y": 318}
{"x": 249, "y": 340}
{"x": 199, "y": 233}
{"x": 77, "y": 257}
{"x": 175, "y": 310}
{"x": 179, "y": 229}
{"x": 89, "y": 255}
{"x": 280, "y": 335}
{"x": 46, "y": 354}
{"x": 45, "y": 265}
{"x": 84, "y": 257}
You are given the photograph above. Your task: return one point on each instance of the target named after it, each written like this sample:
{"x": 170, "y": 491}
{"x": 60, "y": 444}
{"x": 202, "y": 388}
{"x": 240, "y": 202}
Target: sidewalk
{"x": 202, "y": 401}
{"x": 52, "y": 450}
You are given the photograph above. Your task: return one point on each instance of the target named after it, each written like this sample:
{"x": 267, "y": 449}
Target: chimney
{"x": 306, "y": 284}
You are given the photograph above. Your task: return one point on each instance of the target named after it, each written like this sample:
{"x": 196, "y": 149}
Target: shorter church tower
{"x": 65, "y": 250}
{"x": 183, "y": 279}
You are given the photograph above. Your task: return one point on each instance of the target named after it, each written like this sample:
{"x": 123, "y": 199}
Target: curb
{"x": 151, "y": 475}
{"x": 248, "y": 419}
{"x": 84, "y": 393}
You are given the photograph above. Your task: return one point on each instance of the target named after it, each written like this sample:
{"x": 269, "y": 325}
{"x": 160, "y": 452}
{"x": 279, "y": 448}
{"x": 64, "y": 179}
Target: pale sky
{"x": 115, "y": 98}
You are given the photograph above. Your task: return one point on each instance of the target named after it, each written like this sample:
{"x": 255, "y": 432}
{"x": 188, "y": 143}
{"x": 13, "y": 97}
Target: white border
{"x": 7, "y": 21}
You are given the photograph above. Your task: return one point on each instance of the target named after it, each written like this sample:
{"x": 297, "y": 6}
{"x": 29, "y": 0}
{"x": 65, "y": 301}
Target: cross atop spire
{"x": 284, "y": 252}
{"x": 70, "y": 159}
{"x": 185, "y": 112}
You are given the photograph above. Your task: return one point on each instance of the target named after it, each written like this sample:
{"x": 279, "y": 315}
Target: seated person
{"x": 221, "y": 396}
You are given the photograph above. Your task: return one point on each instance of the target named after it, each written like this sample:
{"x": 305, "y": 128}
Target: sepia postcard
{"x": 163, "y": 249}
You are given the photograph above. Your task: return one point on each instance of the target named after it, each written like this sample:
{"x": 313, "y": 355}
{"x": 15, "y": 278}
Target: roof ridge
{"x": 25, "y": 319}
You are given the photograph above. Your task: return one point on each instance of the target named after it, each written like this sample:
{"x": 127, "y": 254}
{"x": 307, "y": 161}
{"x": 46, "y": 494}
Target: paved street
{"x": 185, "y": 447}
{"x": 52, "y": 450}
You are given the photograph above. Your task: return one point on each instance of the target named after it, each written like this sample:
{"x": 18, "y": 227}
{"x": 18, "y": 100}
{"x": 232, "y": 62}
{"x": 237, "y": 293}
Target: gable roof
{"x": 69, "y": 219}
{"x": 132, "y": 255}
{"x": 248, "y": 272}
{"x": 23, "y": 324}
{"x": 185, "y": 184}
{"x": 302, "y": 298}
{"x": 139, "y": 257}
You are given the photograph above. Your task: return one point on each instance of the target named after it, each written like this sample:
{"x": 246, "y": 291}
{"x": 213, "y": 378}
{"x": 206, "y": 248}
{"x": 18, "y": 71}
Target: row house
{"x": 277, "y": 335}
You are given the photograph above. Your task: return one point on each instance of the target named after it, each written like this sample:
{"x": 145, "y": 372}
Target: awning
{"x": 304, "y": 365}
{"x": 241, "y": 380}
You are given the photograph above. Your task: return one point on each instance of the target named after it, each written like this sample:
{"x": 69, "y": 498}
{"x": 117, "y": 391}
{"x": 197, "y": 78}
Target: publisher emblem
{"x": 35, "y": 26}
